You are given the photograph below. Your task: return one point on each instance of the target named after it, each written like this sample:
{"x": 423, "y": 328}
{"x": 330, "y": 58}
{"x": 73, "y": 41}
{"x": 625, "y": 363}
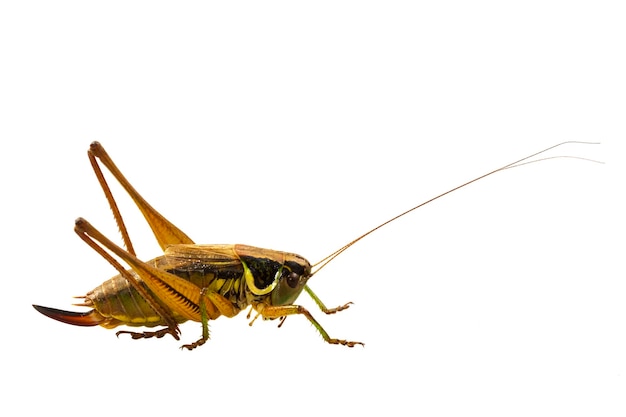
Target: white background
{"x": 297, "y": 126}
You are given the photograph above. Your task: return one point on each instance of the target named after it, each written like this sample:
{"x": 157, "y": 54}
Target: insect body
{"x": 196, "y": 282}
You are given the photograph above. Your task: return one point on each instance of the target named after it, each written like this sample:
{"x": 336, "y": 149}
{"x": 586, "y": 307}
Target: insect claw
{"x": 194, "y": 345}
{"x": 345, "y": 343}
{"x": 337, "y": 309}
{"x": 254, "y": 319}
{"x": 147, "y": 335}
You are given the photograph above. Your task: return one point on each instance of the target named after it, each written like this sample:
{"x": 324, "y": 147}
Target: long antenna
{"x": 524, "y": 161}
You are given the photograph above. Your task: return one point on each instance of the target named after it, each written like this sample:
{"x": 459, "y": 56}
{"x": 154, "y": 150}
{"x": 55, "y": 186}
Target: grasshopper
{"x": 200, "y": 282}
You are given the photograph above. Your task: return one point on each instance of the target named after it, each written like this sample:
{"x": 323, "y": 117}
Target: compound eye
{"x": 293, "y": 279}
